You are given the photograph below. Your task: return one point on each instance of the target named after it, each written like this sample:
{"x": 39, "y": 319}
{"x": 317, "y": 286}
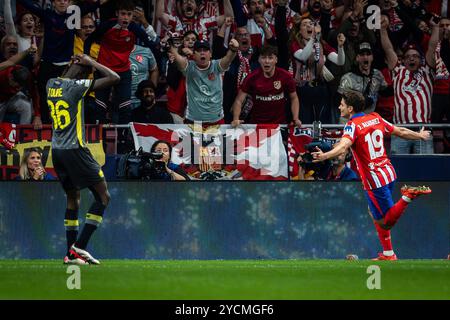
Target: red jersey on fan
{"x": 367, "y": 132}
{"x": 268, "y": 95}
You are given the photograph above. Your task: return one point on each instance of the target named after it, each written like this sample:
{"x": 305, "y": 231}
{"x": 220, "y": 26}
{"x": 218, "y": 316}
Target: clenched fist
{"x": 233, "y": 45}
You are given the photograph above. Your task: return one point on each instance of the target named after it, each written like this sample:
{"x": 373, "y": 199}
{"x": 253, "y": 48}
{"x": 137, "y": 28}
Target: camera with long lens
{"x": 142, "y": 165}
{"x": 150, "y": 167}
{"x": 319, "y": 169}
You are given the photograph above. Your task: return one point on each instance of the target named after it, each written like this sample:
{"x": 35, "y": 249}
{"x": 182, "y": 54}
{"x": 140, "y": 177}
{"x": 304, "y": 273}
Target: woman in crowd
{"x": 31, "y": 167}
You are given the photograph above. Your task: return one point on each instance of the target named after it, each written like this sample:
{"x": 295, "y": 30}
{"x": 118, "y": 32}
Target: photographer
{"x": 339, "y": 171}
{"x": 170, "y": 171}
{"x": 313, "y": 171}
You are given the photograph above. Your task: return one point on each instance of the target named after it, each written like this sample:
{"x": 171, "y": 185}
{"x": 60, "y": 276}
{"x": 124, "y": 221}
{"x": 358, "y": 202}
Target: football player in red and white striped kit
{"x": 413, "y": 88}
{"x": 364, "y": 134}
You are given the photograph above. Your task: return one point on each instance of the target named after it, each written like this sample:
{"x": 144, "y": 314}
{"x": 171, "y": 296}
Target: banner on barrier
{"x": 27, "y": 137}
{"x": 220, "y": 152}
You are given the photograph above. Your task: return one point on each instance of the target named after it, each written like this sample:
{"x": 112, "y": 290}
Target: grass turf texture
{"x": 228, "y": 279}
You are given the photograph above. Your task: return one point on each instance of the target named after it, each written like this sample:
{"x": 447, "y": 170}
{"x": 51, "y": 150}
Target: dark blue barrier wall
{"x": 222, "y": 220}
{"x": 408, "y": 167}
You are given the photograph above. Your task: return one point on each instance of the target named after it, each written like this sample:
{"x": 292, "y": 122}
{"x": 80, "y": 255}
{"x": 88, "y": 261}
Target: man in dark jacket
{"x": 150, "y": 111}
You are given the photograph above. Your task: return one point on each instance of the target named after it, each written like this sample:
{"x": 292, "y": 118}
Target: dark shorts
{"x": 76, "y": 168}
{"x": 380, "y": 200}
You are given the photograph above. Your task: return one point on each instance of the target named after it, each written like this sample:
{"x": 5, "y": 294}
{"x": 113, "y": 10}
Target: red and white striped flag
{"x": 253, "y": 152}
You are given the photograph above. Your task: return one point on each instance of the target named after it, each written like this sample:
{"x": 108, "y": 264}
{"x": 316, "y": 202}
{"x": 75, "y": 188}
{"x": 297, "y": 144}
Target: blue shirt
{"x": 204, "y": 92}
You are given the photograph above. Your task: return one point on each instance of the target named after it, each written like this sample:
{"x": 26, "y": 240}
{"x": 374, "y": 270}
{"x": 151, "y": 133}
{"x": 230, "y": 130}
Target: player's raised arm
{"x": 108, "y": 78}
{"x": 342, "y": 146}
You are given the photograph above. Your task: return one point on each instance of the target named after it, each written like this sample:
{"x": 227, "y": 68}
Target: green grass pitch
{"x": 226, "y": 279}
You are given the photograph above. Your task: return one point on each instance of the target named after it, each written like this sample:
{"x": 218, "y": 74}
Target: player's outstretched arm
{"x": 338, "y": 149}
{"x": 405, "y": 133}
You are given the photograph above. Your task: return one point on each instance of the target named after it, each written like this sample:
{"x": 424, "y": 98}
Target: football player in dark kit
{"x": 72, "y": 160}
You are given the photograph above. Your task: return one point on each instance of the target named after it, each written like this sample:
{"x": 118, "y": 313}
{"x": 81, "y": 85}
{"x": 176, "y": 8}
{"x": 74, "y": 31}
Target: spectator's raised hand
{"x": 340, "y": 40}
{"x": 32, "y": 49}
{"x": 140, "y": 16}
{"x": 228, "y": 21}
{"x": 233, "y": 45}
{"x": 358, "y": 8}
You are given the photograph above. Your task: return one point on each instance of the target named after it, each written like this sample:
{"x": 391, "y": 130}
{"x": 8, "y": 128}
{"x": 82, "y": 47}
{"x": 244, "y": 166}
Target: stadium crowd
{"x": 232, "y": 61}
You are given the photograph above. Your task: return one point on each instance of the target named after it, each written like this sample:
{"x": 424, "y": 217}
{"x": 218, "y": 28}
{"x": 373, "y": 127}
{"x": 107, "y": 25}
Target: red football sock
{"x": 384, "y": 236}
{"x": 395, "y": 212}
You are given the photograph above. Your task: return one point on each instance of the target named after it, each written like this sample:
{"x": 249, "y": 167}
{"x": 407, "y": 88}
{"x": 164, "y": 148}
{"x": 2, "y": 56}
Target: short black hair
{"x": 128, "y": 5}
{"x": 268, "y": 50}
{"x": 76, "y": 71}
{"x": 355, "y": 99}
{"x": 152, "y": 149}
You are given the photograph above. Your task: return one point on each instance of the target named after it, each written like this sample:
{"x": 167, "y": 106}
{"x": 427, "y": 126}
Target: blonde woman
{"x": 31, "y": 167}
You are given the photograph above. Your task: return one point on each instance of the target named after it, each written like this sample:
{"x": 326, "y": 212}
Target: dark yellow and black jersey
{"x": 65, "y": 98}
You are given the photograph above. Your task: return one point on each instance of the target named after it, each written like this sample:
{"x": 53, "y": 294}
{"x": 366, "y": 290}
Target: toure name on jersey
{"x": 54, "y": 93}
{"x": 368, "y": 123}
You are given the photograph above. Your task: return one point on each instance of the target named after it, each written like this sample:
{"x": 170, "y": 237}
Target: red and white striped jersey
{"x": 366, "y": 132}
{"x": 202, "y": 26}
{"x": 413, "y": 91}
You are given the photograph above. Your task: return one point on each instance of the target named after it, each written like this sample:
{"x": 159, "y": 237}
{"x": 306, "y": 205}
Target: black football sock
{"x": 71, "y": 226}
{"x": 93, "y": 219}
